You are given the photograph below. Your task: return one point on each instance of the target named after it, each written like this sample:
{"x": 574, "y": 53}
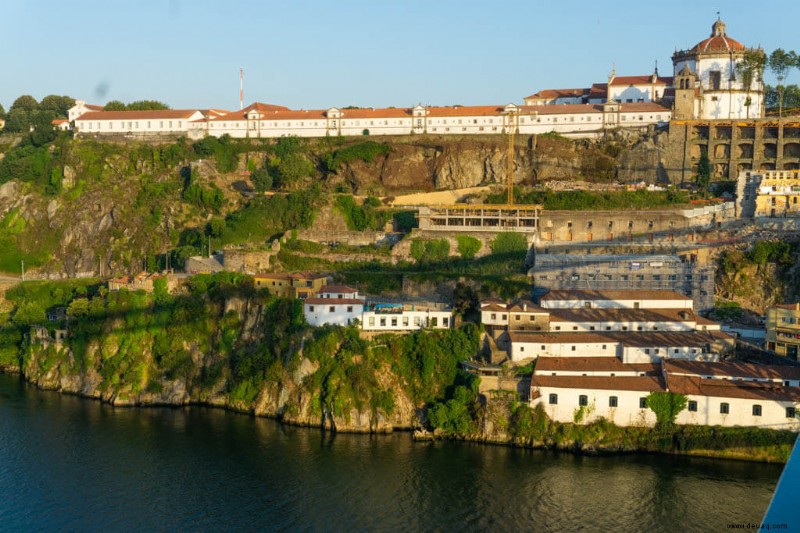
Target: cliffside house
{"x": 300, "y": 285}
{"x": 336, "y": 305}
{"x": 783, "y": 329}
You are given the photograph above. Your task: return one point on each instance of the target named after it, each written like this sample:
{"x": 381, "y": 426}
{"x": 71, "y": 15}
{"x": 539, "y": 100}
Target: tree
{"x": 79, "y": 307}
{"x": 25, "y": 102}
{"x": 261, "y": 179}
{"x": 58, "y": 105}
{"x": 147, "y": 105}
{"x": 2, "y": 112}
{"x": 468, "y": 246}
{"x": 751, "y": 68}
{"x": 505, "y": 243}
{"x": 703, "y": 179}
{"x": 216, "y": 227}
{"x": 781, "y": 63}
{"x": 291, "y": 169}
{"x": 114, "y": 105}
{"x": 791, "y": 97}
{"x": 21, "y": 114}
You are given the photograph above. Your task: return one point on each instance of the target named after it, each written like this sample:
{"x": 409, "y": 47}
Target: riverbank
{"x": 596, "y": 439}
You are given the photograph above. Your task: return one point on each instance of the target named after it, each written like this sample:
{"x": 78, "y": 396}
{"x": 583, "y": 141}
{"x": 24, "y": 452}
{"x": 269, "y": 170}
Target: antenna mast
{"x": 241, "y": 88}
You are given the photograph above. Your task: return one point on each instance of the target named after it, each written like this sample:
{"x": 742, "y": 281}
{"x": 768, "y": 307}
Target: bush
{"x": 509, "y": 243}
{"x": 366, "y": 151}
{"x": 468, "y": 246}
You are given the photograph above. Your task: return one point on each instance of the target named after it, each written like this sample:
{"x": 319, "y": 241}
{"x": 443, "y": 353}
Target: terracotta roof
{"x": 721, "y": 388}
{"x": 618, "y": 383}
{"x": 333, "y": 301}
{"x": 526, "y": 306}
{"x": 59, "y": 121}
{"x": 593, "y": 364}
{"x": 559, "y": 93}
{"x": 138, "y": 115}
{"x": 732, "y": 369}
{"x": 621, "y": 315}
{"x": 640, "y": 80}
{"x": 493, "y": 300}
{"x": 575, "y": 295}
{"x": 641, "y": 339}
{"x": 274, "y": 275}
{"x": 790, "y": 307}
{"x": 598, "y": 90}
{"x": 493, "y": 307}
{"x": 307, "y": 275}
{"x": 338, "y": 288}
{"x": 718, "y": 43}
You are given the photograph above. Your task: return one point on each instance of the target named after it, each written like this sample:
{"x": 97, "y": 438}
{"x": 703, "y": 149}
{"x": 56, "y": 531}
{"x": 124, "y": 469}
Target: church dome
{"x": 718, "y": 42}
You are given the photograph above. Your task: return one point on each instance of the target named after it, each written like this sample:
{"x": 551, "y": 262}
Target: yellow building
{"x": 778, "y": 194}
{"x": 300, "y": 285}
{"x": 783, "y": 329}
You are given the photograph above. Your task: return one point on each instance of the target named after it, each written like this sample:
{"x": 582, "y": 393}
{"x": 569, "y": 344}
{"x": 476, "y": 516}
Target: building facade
{"x": 300, "y": 285}
{"x": 783, "y": 329}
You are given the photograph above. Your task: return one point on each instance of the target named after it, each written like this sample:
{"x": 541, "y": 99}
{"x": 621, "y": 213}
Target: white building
{"x": 707, "y": 83}
{"x": 615, "y": 299}
{"x": 575, "y": 390}
{"x": 80, "y": 108}
{"x": 157, "y": 122}
{"x": 629, "y": 347}
{"x": 406, "y": 317}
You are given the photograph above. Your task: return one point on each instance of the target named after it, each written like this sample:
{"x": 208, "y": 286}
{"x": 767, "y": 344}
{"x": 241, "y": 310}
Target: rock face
{"x": 291, "y": 396}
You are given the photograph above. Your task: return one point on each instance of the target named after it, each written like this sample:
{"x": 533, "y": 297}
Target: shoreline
{"x": 420, "y": 435}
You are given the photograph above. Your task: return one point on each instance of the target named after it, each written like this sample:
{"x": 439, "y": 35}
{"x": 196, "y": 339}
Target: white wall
{"x": 406, "y": 321}
{"x": 627, "y": 412}
{"x": 740, "y": 413}
{"x": 654, "y": 354}
{"x": 617, "y": 304}
{"x": 335, "y": 314}
{"x": 623, "y": 326}
{"x": 527, "y": 350}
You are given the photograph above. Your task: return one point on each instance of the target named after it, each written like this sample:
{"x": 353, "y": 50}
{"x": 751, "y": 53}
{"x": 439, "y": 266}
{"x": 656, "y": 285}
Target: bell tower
{"x": 685, "y": 96}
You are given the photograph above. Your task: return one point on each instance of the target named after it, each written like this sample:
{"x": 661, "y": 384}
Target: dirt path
{"x": 438, "y": 197}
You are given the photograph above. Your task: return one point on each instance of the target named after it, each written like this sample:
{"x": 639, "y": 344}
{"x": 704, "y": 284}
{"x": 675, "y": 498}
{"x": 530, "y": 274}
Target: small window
{"x": 553, "y": 400}
{"x": 311, "y": 308}
{"x": 573, "y": 348}
{"x": 642, "y": 403}
{"x": 349, "y": 308}
{"x": 331, "y": 309}
{"x": 790, "y": 412}
{"x": 612, "y": 401}
{"x": 583, "y": 400}
{"x": 724, "y": 408}
{"x": 756, "y": 410}
{"x": 692, "y": 406}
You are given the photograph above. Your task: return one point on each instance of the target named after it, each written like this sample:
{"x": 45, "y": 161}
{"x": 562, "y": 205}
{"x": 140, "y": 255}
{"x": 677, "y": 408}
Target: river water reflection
{"x": 73, "y": 464}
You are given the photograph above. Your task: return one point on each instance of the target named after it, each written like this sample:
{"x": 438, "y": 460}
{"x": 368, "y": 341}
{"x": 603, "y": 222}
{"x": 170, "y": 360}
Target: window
{"x": 573, "y": 348}
{"x": 394, "y": 322}
{"x": 331, "y": 309}
{"x": 383, "y": 322}
{"x": 372, "y": 321}
{"x": 583, "y": 400}
{"x": 494, "y": 316}
{"x": 311, "y": 308}
{"x": 724, "y": 408}
{"x": 446, "y": 322}
{"x": 790, "y": 412}
{"x": 405, "y": 321}
{"x": 756, "y": 410}
{"x": 714, "y": 79}
{"x": 642, "y": 403}
{"x": 349, "y": 308}
{"x": 553, "y": 400}
{"x": 692, "y": 406}
{"x": 516, "y": 317}
{"x": 612, "y": 401}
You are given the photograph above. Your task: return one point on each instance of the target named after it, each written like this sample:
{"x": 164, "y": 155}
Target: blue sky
{"x": 323, "y": 53}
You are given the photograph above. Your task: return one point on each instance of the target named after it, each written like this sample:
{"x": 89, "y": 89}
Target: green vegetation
{"x": 366, "y": 216}
{"x": 26, "y": 113}
{"x": 590, "y": 200}
{"x": 139, "y": 105}
{"x": 468, "y": 246}
{"x": 666, "y": 406}
{"x": 509, "y": 243}
{"x": 703, "y": 178}
{"x": 727, "y": 310}
{"x": 365, "y": 151}
{"x": 430, "y": 251}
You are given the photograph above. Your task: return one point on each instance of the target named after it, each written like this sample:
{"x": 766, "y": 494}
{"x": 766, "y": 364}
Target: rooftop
{"x": 604, "y": 295}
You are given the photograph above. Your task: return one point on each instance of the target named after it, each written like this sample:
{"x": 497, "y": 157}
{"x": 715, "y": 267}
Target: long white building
{"x": 583, "y": 390}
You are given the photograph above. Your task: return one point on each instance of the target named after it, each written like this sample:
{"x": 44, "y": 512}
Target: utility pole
{"x": 22, "y": 261}
{"x": 209, "y": 246}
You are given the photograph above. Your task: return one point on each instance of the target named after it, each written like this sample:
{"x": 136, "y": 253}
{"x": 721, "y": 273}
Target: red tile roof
{"x": 737, "y": 369}
{"x": 593, "y": 364}
{"x": 623, "y": 315}
{"x": 721, "y": 388}
{"x": 641, "y": 339}
{"x": 718, "y": 43}
{"x": 344, "y": 289}
{"x": 559, "y": 93}
{"x": 618, "y": 383}
{"x": 640, "y": 80}
{"x": 575, "y": 295}
{"x": 333, "y": 301}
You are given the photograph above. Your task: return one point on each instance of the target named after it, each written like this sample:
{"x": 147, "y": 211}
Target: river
{"x": 68, "y": 463}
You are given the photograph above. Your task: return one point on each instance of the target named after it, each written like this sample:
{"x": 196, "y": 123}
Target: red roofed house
{"x": 335, "y": 304}
{"x": 60, "y": 124}
{"x": 156, "y": 122}
{"x": 80, "y": 108}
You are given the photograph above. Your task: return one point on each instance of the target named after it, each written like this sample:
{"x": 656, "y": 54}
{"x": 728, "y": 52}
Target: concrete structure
{"x": 300, "y": 285}
{"x": 625, "y": 271}
{"x": 575, "y": 390}
{"x": 480, "y": 218}
{"x": 406, "y": 316}
{"x": 335, "y": 305}
{"x": 783, "y": 330}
